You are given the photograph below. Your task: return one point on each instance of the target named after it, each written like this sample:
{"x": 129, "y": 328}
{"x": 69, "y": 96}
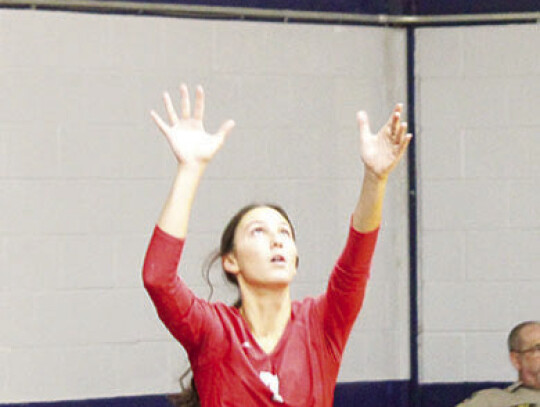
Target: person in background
{"x": 524, "y": 348}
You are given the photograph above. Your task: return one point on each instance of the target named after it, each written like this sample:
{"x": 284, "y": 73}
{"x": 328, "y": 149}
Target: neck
{"x": 267, "y": 314}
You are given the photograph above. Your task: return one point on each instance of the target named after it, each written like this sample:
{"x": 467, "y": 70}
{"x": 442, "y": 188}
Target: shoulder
{"x": 482, "y": 398}
{"x": 306, "y": 310}
{"x": 223, "y": 310}
{"x": 490, "y": 397}
{"x": 525, "y": 393}
{"x": 212, "y": 315}
{"x": 302, "y": 307}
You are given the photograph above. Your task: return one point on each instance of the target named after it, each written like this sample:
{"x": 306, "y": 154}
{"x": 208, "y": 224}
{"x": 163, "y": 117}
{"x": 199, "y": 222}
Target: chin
{"x": 280, "y": 282}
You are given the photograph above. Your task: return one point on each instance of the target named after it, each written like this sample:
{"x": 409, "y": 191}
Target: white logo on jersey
{"x": 272, "y": 382}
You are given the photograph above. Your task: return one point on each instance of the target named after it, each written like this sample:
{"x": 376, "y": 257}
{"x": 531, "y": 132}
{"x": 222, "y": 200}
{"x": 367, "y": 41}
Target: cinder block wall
{"x": 479, "y": 143}
{"x": 83, "y": 175}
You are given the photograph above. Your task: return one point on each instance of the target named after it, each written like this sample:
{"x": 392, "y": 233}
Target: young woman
{"x": 266, "y": 350}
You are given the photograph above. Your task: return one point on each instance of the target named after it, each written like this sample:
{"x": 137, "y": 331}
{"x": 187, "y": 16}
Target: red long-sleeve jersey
{"x": 229, "y": 367}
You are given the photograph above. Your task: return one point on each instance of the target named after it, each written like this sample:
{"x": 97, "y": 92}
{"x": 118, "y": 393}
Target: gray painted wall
{"x": 83, "y": 175}
{"x": 479, "y": 143}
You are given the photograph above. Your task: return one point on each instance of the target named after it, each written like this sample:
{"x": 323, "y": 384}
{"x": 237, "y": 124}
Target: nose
{"x": 277, "y": 240}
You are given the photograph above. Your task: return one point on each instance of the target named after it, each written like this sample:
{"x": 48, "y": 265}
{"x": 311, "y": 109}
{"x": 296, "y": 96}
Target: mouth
{"x": 278, "y": 259}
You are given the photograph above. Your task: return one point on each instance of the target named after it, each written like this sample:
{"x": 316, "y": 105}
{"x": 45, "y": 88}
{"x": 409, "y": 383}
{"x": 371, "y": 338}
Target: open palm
{"x": 381, "y": 152}
{"x": 189, "y": 141}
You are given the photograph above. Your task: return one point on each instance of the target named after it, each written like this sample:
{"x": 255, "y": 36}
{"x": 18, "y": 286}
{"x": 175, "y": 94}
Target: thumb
{"x": 226, "y": 128}
{"x": 164, "y": 127}
{"x": 363, "y": 123}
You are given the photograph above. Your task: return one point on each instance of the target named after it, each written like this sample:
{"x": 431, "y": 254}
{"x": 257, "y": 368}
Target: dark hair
{"x": 189, "y": 396}
{"x": 514, "y": 338}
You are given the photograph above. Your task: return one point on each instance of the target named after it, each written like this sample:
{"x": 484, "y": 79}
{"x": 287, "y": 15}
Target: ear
{"x": 230, "y": 264}
{"x": 514, "y": 358}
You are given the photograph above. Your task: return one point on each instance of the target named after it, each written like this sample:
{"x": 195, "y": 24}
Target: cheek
{"x": 530, "y": 364}
{"x": 293, "y": 254}
{"x": 535, "y": 363}
{"x": 293, "y": 248}
{"x": 249, "y": 253}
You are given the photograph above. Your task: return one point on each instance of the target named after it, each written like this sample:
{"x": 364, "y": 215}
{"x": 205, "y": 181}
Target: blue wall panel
{"x": 360, "y": 6}
{"x": 397, "y": 7}
{"x": 372, "y": 394}
{"x": 471, "y": 7}
{"x": 450, "y": 394}
{"x": 364, "y": 394}
{"x": 142, "y": 401}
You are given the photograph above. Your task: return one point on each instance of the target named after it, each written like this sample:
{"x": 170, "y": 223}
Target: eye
{"x": 285, "y": 231}
{"x": 257, "y": 230}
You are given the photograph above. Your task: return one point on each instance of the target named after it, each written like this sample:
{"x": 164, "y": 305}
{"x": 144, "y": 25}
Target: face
{"x": 264, "y": 253}
{"x": 527, "y": 360}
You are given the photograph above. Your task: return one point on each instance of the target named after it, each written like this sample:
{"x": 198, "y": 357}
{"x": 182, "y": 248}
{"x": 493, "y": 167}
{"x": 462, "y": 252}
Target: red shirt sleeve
{"x": 340, "y": 305}
{"x": 178, "y": 308}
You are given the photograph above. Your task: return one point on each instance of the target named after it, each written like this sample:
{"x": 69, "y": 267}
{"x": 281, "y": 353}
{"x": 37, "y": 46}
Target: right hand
{"x": 190, "y": 143}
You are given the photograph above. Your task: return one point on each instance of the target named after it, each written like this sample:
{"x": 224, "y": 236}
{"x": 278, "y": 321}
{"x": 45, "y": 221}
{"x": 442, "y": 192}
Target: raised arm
{"x": 193, "y": 148}
{"x": 380, "y": 153}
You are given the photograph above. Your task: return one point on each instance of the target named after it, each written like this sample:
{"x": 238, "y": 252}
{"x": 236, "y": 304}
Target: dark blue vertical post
{"x": 414, "y": 390}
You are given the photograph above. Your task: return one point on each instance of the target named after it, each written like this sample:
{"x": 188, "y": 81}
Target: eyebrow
{"x": 258, "y": 221}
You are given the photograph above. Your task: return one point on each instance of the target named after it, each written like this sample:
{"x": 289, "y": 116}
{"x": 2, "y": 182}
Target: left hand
{"x": 381, "y": 152}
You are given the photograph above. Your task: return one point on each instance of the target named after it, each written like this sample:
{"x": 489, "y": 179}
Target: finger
{"x": 363, "y": 123}
{"x": 407, "y": 139}
{"x": 394, "y": 125}
{"x": 173, "y": 117}
{"x": 226, "y": 128}
{"x": 403, "y": 148}
{"x": 185, "y": 104}
{"x": 404, "y": 144}
{"x": 396, "y": 117}
{"x": 402, "y": 131}
{"x": 164, "y": 127}
{"x": 393, "y": 121}
{"x": 199, "y": 103}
